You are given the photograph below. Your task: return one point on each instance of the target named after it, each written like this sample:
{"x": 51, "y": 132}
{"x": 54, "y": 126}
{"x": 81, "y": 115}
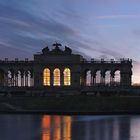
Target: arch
{"x": 88, "y": 78}
{"x": 67, "y": 77}
{"x": 107, "y": 77}
{"x": 10, "y": 76}
{"x": 19, "y": 78}
{"x": 29, "y": 78}
{"x": 56, "y": 77}
{"x": 46, "y": 77}
{"x": 98, "y": 77}
{"x": 117, "y": 77}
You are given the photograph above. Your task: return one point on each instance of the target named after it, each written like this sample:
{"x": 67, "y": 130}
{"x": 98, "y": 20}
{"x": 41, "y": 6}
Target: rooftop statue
{"x": 45, "y": 50}
{"x": 57, "y": 49}
{"x": 67, "y": 50}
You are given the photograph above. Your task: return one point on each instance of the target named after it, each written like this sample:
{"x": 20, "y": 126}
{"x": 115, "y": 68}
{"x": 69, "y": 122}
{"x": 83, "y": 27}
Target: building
{"x": 62, "y": 69}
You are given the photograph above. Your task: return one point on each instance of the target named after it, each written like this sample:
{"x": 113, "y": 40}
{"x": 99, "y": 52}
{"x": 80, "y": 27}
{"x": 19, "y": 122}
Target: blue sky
{"x": 95, "y": 28}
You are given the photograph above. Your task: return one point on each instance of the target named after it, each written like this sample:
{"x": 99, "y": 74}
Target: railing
{"x": 111, "y": 61}
{"x": 122, "y": 60}
{"x": 16, "y": 61}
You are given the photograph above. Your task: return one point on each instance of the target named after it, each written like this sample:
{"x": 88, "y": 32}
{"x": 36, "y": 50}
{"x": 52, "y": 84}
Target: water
{"x": 46, "y": 127}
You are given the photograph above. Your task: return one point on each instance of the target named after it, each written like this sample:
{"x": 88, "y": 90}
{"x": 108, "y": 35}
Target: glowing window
{"x": 46, "y": 77}
{"x": 56, "y": 77}
{"x": 67, "y": 77}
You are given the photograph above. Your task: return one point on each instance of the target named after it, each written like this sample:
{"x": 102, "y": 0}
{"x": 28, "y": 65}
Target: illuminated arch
{"x": 107, "y": 77}
{"x": 117, "y": 77}
{"x": 46, "y": 77}
{"x": 98, "y": 77}
{"x": 56, "y": 77}
{"x": 67, "y": 77}
{"x": 88, "y": 78}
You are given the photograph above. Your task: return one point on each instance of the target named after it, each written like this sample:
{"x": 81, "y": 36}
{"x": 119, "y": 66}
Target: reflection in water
{"x": 135, "y": 129}
{"x": 105, "y": 128}
{"x": 47, "y": 127}
{"x": 56, "y": 128}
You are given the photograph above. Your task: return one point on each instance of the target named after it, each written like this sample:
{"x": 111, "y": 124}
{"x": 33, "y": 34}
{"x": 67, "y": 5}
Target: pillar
{"x": 31, "y": 79}
{"x": 126, "y": 78}
{"x": 12, "y": 78}
{"x": 75, "y": 78}
{"x": 26, "y": 78}
{"x": 82, "y": 79}
{"x": 16, "y": 79}
{"x": 51, "y": 77}
{"x": 40, "y": 78}
{"x": 93, "y": 78}
{"x": 61, "y": 78}
{"x": 22, "y": 79}
{"x": 6, "y": 79}
{"x": 112, "y": 75}
{"x": 102, "y": 78}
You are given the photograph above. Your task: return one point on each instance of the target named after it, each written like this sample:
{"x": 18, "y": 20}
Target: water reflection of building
{"x": 56, "y": 128}
{"x": 135, "y": 127}
{"x": 111, "y": 128}
{"x": 62, "y": 68}
{"x": 124, "y": 128}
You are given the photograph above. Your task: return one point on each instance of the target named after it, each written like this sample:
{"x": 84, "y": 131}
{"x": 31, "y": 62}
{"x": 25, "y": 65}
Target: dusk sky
{"x": 95, "y": 28}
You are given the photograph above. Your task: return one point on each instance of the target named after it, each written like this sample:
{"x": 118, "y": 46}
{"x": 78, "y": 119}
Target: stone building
{"x": 59, "y": 68}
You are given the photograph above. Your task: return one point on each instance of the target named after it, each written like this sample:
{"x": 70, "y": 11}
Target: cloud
{"x": 14, "y": 21}
{"x": 6, "y": 51}
{"x": 27, "y": 32}
{"x": 107, "y": 26}
{"x": 24, "y": 33}
{"x": 136, "y": 32}
{"x": 21, "y": 29}
{"x": 118, "y": 17}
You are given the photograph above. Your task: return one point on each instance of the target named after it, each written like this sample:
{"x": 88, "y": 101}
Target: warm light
{"x": 57, "y": 128}
{"x": 46, "y": 127}
{"x": 67, "y": 77}
{"x": 56, "y": 77}
{"x": 67, "y": 128}
{"x": 46, "y": 77}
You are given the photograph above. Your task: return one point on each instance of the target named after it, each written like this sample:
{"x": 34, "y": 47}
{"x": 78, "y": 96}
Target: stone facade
{"x": 30, "y": 73}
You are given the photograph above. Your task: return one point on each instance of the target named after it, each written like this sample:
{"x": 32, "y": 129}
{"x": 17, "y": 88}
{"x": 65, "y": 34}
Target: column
{"x": 26, "y": 78}
{"x": 22, "y": 79}
{"x": 5, "y": 79}
{"x": 12, "y": 78}
{"x": 126, "y": 78}
{"x": 82, "y": 79}
{"x": 51, "y": 77}
{"x": 112, "y": 75}
{"x": 93, "y": 77}
{"x": 102, "y": 78}
{"x": 31, "y": 79}
{"x": 16, "y": 79}
{"x": 61, "y": 78}
{"x": 40, "y": 79}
